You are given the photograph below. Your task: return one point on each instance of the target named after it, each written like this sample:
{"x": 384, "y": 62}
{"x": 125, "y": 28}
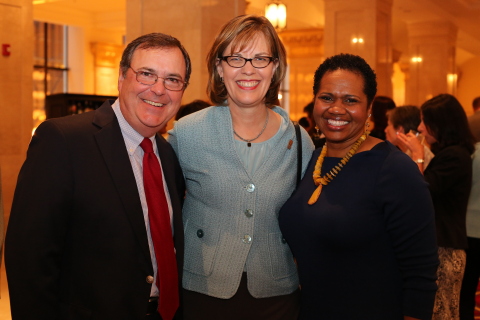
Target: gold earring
{"x": 367, "y": 125}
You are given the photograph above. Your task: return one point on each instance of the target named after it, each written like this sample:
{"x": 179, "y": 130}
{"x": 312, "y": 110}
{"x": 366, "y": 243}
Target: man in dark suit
{"x": 79, "y": 242}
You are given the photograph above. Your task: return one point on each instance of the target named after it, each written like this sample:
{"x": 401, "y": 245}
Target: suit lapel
{"x": 112, "y": 146}
{"x": 168, "y": 166}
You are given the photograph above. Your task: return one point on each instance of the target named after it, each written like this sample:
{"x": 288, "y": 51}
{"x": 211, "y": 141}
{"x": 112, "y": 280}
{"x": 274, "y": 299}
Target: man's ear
{"x": 121, "y": 77}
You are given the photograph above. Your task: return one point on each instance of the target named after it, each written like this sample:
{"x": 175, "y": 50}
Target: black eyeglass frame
{"x": 184, "y": 84}
{"x": 271, "y": 59}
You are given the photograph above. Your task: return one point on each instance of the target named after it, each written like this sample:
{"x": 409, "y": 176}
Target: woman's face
{"x": 422, "y": 128}
{"x": 341, "y": 108}
{"x": 247, "y": 86}
{"x": 391, "y": 133}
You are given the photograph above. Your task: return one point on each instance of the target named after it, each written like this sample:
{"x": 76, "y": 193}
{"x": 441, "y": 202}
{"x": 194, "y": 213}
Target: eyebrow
{"x": 261, "y": 54}
{"x": 174, "y": 75}
{"x": 146, "y": 69}
{"x": 345, "y": 95}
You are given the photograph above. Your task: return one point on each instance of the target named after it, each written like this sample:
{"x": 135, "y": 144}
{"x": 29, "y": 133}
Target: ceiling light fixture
{"x": 276, "y": 13}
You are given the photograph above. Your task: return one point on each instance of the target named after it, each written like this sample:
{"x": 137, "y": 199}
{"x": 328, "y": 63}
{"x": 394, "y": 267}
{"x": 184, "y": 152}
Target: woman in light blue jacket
{"x": 239, "y": 159}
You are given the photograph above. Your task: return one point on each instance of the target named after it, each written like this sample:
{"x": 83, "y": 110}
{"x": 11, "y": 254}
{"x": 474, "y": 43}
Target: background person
{"x": 403, "y": 120}
{"x": 81, "y": 242}
{"x": 194, "y": 106}
{"x": 363, "y": 250}
{"x": 468, "y": 293}
{"x": 239, "y": 159}
{"x": 472, "y": 265}
{"x": 380, "y": 107}
{"x": 313, "y": 131}
{"x": 449, "y": 175}
{"x": 303, "y": 121}
{"x": 474, "y": 119}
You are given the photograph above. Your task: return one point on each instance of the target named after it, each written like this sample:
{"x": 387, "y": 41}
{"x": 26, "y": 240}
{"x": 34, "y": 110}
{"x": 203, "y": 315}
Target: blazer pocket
{"x": 200, "y": 248}
{"x": 281, "y": 258}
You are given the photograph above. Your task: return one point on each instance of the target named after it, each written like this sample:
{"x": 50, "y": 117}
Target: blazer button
{"x": 200, "y": 233}
{"x": 250, "y": 187}
{"x": 249, "y": 213}
{"x": 149, "y": 279}
{"x": 247, "y": 239}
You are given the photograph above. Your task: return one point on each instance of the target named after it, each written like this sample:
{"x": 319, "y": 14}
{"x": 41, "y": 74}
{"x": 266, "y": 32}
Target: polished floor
{"x": 4, "y": 300}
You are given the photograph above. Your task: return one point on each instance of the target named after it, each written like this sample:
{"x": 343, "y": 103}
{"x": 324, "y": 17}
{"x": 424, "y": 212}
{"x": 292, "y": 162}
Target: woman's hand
{"x": 411, "y": 142}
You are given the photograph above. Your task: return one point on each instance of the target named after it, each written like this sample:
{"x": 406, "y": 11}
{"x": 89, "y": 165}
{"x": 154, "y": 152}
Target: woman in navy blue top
{"x": 360, "y": 224}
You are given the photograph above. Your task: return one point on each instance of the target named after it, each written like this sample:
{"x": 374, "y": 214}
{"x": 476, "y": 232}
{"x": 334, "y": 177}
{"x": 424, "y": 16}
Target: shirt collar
{"x": 132, "y": 138}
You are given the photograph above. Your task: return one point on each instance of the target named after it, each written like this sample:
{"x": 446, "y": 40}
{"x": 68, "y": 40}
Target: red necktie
{"x": 161, "y": 231}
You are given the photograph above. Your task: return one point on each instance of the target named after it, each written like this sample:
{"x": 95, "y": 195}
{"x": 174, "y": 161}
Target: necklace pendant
{"x": 249, "y": 144}
{"x": 316, "y": 194}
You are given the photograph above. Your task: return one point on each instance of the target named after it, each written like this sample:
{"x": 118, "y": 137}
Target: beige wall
{"x": 304, "y": 54}
{"x": 469, "y": 83}
{"x": 16, "y": 29}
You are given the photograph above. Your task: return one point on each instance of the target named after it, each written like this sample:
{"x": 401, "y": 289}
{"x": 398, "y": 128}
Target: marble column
{"x": 16, "y": 109}
{"x": 362, "y": 28}
{"x": 194, "y": 22}
{"x": 305, "y": 53}
{"x": 432, "y": 61}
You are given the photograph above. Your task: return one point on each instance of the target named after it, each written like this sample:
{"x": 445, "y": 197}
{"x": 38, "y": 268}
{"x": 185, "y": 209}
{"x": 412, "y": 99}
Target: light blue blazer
{"x": 230, "y": 217}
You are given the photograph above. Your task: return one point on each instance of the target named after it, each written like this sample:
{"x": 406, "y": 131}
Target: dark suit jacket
{"x": 76, "y": 245}
{"x": 449, "y": 176}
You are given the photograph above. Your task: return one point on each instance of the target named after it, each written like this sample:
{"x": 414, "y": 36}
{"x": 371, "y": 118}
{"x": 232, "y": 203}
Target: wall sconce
{"x": 416, "y": 59}
{"x": 452, "y": 77}
{"x": 276, "y": 13}
{"x": 357, "y": 40}
{"x": 452, "y": 83}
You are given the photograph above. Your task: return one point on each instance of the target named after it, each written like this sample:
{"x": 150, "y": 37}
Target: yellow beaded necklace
{"x": 328, "y": 177}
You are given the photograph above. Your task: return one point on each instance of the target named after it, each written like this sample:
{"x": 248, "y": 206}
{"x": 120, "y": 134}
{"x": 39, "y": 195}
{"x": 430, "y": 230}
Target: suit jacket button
{"x": 200, "y": 233}
{"x": 247, "y": 239}
{"x": 149, "y": 279}
{"x": 249, "y": 213}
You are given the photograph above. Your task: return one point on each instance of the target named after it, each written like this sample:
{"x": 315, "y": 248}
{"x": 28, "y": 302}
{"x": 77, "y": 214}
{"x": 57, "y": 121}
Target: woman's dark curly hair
{"x": 446, "y": 120}
{"x": 352, "y": 63}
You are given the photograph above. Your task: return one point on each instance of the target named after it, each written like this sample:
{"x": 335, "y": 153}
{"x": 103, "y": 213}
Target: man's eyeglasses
{"x": 149, "y": 79}
{"x": 238, "y": 62}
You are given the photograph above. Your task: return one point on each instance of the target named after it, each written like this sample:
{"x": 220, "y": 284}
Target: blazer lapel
{"x": 112, "y": 147}
{"x": 167, "y": 159}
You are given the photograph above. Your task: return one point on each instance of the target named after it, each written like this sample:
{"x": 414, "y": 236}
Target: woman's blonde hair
{"x": 239, "y": 32}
